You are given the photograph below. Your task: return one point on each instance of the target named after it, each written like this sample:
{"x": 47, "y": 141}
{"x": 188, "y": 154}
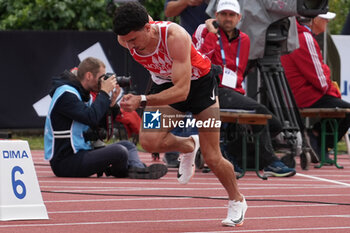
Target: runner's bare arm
{"x": 179, "y": 46}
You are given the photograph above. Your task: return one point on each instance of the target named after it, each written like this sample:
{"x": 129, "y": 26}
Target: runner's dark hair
{"x": 130, "y": 16}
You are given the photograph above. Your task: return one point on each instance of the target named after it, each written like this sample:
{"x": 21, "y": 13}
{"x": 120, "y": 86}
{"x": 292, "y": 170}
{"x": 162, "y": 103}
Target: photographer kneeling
{"x": 72, "y": 113}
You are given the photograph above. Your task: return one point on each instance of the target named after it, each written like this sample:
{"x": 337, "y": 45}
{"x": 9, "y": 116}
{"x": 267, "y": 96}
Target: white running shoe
{"x": 235, "y": 213}
{"x": 187, "y": 166}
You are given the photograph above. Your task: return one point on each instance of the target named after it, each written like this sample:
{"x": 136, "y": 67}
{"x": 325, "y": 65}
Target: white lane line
{"x": 188, "y": 220}
{"x": 176, "y": 198}
{"x": 101, "y": 190}
{"x": 187, "y": 208}
{"x": 170, "y": 181}
{"x": 277, "y": 230}
{"x": 324, "y": 179}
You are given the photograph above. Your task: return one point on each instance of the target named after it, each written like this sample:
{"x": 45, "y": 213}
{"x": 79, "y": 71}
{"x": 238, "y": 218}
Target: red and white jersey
{"x": 307, "y": 75}
{"x": 159, "y": 63}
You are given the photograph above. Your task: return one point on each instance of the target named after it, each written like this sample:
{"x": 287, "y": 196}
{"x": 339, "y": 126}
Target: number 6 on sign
{"x": 20, "y": 195}
{"x": 18, "y": 183}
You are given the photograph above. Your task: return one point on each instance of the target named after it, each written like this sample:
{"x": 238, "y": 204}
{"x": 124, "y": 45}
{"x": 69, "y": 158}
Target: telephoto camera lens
{"x": 123, "y": 81}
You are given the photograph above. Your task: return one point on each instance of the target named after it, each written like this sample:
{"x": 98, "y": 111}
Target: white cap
{"x": 230, "y": 5}
{"x": 329, "y": 15}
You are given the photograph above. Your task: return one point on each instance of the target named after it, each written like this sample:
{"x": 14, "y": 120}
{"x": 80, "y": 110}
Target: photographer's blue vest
{"x": 75, "y": 133}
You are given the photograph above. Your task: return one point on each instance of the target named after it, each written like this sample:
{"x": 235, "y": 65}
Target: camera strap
{"x": 109, "y": 125}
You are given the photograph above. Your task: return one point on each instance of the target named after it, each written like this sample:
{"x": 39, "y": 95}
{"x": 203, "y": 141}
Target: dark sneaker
{"x": 172, "y": 159}
{"x": 154, "y": 171}
{"x": 279, "y": 169}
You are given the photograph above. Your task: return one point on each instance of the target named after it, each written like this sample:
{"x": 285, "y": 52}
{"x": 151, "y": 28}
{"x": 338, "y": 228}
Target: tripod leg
{"x": 279, "y": 105}
{"x": 272, "y": 95}
{"x": 309, "y": 153}
{"x": 280, "y": 100}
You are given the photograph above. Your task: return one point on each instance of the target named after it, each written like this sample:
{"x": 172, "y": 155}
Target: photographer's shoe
{"x": 187, "y": 166}
{"x": 235, "y": 213}
{"x": 154, "y": 171}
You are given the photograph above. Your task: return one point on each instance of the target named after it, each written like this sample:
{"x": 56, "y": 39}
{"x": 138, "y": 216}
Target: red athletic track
{"x": 72, "y": 212}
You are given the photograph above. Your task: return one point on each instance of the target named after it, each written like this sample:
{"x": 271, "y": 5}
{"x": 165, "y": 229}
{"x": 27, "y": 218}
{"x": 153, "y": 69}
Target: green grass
{"x": 342, "y": 147}
{"x": 36, "y": 141}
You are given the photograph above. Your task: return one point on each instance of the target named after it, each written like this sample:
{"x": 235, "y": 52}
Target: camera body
{"x": 92, "y": 135}
{"x": 95, "y": 137}
{"x": 123, "y": 81}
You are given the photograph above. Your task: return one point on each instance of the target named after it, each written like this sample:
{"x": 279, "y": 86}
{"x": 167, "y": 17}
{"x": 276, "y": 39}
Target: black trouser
{"x": 118, "y": 156}
{"x": 328, "y": 101}
{"x": 230, "y": 99}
